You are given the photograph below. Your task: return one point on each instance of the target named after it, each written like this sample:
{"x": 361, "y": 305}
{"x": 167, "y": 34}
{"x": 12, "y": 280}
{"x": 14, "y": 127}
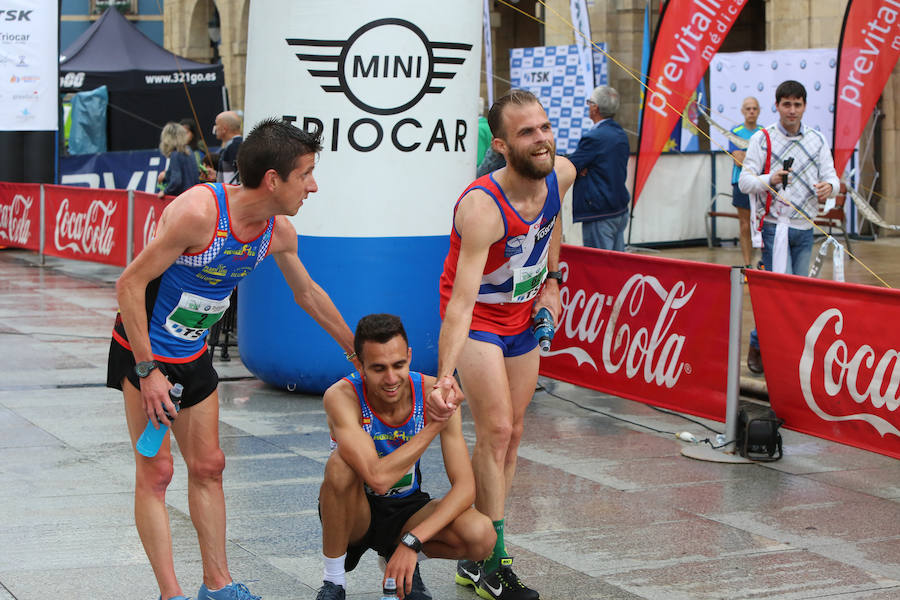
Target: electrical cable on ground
{"x": 689, "y": 438}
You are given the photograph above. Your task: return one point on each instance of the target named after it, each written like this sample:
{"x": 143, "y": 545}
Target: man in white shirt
{"x": 788, "y": 169}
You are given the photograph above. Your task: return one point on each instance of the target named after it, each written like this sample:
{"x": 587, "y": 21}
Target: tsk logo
{"x": 15, "y": 226}
{"x": 385, "y": 67}
{"x": 15, "y": 15}
{"x": 653, "y": 354}
{"x": 88, "y": 232}
{"x": 846, "y": 375}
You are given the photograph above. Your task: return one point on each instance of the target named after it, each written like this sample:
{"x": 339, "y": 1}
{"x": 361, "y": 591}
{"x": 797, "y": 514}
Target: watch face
{"x": 143, "y": 368}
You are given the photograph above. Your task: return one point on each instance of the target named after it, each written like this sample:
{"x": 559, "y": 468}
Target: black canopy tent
{"x": 147, "y": 84}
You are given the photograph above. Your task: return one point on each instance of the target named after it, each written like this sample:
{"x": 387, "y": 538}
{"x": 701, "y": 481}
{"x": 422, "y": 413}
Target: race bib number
{"x": 194, "y": 315}
{"x": 527, "y": 281}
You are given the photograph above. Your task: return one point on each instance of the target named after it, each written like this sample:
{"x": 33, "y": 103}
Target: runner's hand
{"x": 401, "y": 568}
{"x": 155, "y": 394}
{"x": 444, "y": 398}
{"x": 549, "y": 299}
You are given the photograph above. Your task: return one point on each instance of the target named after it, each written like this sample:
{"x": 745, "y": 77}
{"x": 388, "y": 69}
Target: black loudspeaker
{"x": 757, "y": 437}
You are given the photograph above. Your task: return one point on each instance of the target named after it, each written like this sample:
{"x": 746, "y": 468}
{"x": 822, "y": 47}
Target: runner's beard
{"x": 523, "y": 162}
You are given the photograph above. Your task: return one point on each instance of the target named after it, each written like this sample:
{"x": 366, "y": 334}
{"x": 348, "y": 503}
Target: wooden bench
{"x": 832, "y": 219}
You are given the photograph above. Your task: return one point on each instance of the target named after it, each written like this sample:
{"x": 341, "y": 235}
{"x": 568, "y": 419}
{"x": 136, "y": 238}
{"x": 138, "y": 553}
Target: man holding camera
{"x": 788, "y": 169}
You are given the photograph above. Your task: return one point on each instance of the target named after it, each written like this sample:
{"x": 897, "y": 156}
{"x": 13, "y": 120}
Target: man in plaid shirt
{"x": 785, "y": 200}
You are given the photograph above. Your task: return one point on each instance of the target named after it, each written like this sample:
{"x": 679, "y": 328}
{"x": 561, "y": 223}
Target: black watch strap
{"x": 557, "y": 275}
{"x": 411, "y": 542}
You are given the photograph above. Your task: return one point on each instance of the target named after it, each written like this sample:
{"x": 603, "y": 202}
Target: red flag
{"x": 867, "y": 54}
{"x": 689, "y": 34}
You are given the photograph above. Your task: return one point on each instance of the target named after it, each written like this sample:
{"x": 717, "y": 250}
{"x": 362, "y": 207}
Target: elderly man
{"x": 600, "y": 199}
{"x": 228, "y": 131}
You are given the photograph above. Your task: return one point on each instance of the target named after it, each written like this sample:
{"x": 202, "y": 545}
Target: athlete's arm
{"x": 186, "y": 225}
{"x": 357, "y": 448}
{"x": 308, "y": 294}
{"x": 479, "y": 224}
{"x": 549, "y": 296}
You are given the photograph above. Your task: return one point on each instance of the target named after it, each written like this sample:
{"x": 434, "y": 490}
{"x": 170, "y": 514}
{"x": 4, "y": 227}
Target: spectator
{"x": 783, "y": 225}
{"x": 228, "y": 131}
{"x": 182, "y": 172}
{"x": 600, "y": 199}
{"x": 740, "y": 200}
{"x": 198, "y": 149}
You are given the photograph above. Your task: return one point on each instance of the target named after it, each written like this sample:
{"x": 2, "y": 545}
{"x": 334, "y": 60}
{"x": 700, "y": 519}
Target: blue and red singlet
{"x": 388, "y": 438}
{"x": 516, "y": 265}
{"x": 193, "y": 294}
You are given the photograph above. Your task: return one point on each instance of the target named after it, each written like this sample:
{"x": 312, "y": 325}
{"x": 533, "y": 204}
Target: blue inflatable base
{"x": 281, "y": 345}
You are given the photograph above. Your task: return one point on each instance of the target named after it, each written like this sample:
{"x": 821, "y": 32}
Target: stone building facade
{"x": 763, "y": 25}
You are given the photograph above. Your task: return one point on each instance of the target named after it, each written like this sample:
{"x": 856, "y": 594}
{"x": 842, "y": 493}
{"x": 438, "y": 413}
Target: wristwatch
{"x": 557, "y": 275}
{"x": 411, "y": 542}
{"x": 144, "y": 368}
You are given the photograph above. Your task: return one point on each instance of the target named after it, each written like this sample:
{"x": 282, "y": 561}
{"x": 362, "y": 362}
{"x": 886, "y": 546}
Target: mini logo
{"x": 832, "y": 63}
{"x": 760, "y": 86}
{"x": 514, "y": 246}
{"x": 746, "y": 65}
{"x": 385, "y": 67}
{"x": 803, "y": 63}
{"x": 718, "y": 66}
{"x": 733, "y": 86}
{"x": 817, "y": 86}
{"x": 774, "y": 65}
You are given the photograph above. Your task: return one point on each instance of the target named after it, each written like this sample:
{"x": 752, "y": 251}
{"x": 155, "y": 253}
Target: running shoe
{"x": 331, "y": 591}
{"x": 232, "y": 591}
{"x": 418, "y": 591}
{"x": 468, "y": 572}
{"x": 504, "y": 584}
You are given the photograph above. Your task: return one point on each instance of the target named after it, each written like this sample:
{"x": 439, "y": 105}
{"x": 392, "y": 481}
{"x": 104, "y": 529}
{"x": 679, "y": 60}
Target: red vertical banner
{"x": 20, "y": 215}
{"x": 649, "y": 329}
{"x": 86, "y": 224}
{"x": 689, "y": 34}
{"x": 867, "y": 53}
{"x": 831, "y": 357}
{"x": 147, "y": 210}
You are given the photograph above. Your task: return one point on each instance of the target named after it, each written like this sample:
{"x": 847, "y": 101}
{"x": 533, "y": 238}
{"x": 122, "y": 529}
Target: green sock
{"x": 493, "y": 561}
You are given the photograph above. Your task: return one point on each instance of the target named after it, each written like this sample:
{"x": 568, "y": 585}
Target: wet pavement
{"x": 602, "y": 506}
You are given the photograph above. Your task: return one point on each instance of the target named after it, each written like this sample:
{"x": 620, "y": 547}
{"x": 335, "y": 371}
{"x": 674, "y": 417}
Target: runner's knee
{"x": 209, "y": 466}
{"x": 155, "y": 474}
{"x": 482, "y": 538}
{"x": 339, "y": 476}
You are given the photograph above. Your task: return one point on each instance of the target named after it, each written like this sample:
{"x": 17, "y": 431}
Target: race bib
{"x": 194, "y": 315}
{"x": 527, "y": 281}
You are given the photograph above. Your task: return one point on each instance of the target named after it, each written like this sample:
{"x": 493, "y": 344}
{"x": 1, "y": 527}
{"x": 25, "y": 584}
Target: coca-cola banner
{"x": 645, "y": 328}
{"x": 867, "y": 53}
{"x": 830, "y": 353}
{"x": 688, "y": 36}
{"x": 20, "y": 215}
{"x": 147, "y": 210}
{"x": 85, "y": 223}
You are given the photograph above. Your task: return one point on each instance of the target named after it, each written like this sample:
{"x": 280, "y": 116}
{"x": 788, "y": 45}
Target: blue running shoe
{"x": 232, "y": 591}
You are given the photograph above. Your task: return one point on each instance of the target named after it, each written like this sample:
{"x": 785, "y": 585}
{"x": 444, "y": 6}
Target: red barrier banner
{"x": 147, "y": 210}
{"x": 20, "y": 215}
{"x": 649, "y": 329}
{"x": 831, "y": 358}
{"x": 688, "y": 36}
{"x": 86, "y": 224}
{"x": 867, "y": 53}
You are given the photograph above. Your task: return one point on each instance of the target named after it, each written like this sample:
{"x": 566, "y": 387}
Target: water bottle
{"x": 543, "y": 328}
{"x": 389, "y": 591}
{"x": 150, "y": 441}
